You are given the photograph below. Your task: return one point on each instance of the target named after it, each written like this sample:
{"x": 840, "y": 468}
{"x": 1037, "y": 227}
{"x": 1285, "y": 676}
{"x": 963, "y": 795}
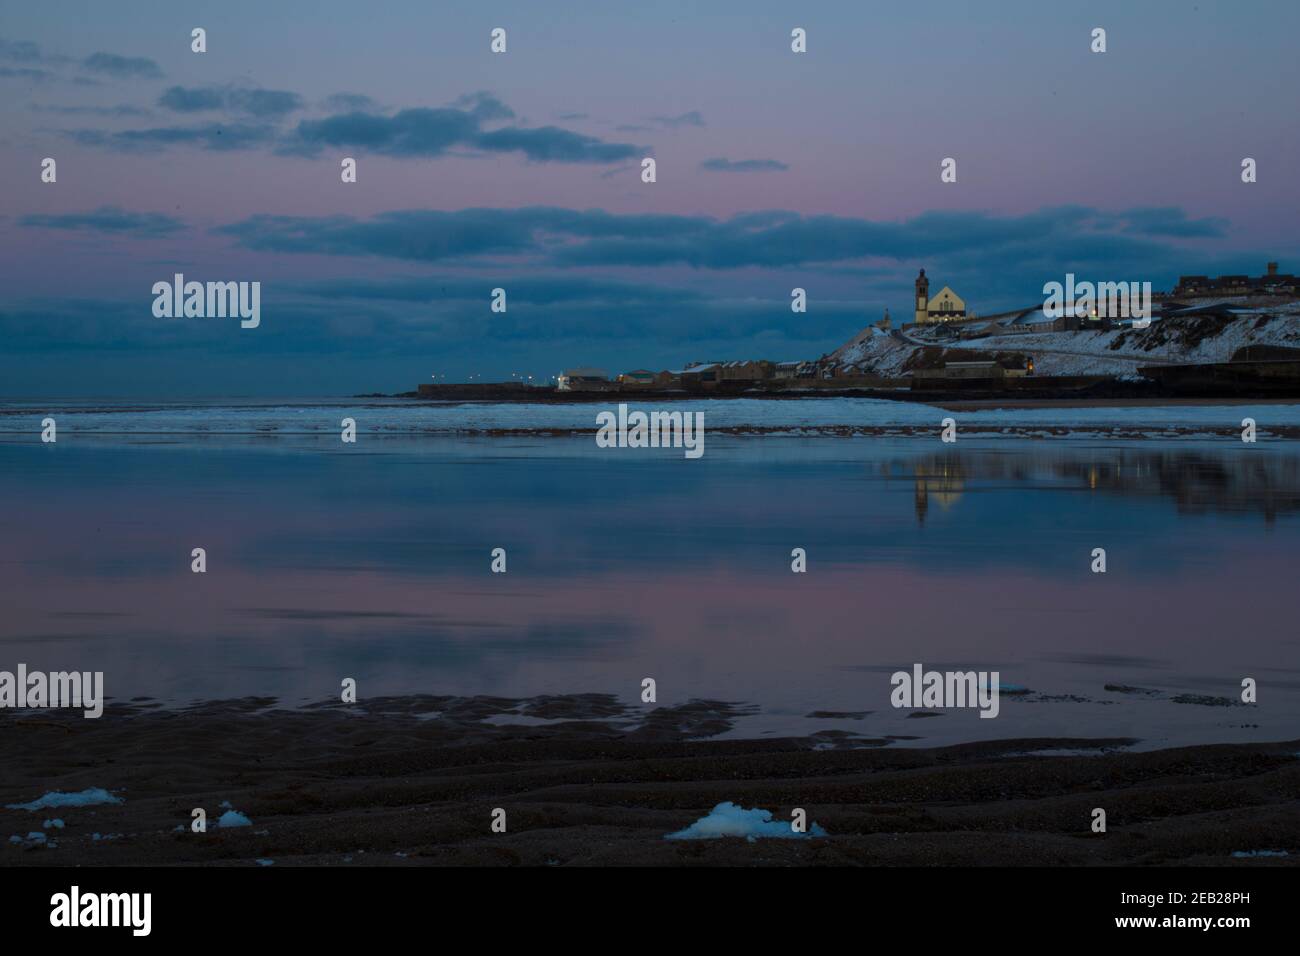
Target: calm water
{"x": 373, "y": 561}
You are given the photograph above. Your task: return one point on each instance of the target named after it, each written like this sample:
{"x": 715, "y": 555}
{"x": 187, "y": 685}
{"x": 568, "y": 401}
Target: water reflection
{"x": 1197, "y": 482}
{"x": 375, "y": 564}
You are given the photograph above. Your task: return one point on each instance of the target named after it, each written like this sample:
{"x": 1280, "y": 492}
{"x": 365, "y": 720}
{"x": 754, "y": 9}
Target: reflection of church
{"x": 944, "y": 482}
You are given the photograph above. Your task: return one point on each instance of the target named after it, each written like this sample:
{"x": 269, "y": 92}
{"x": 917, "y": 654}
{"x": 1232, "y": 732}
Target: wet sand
{"x": 586, "y": 780}
{"x": 1165, "y": 402}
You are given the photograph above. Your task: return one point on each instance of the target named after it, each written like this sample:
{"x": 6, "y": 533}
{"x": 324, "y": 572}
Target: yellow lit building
{"x": 944, "y": 306}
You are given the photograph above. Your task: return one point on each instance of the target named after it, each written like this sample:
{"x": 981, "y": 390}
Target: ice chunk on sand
{"x": 86, "y": 798}
{"x": 56, "y": 822}
{"x": 1245, "y": 854}
{"x": 233, "y": 818}
{"x": 728, "y": 819}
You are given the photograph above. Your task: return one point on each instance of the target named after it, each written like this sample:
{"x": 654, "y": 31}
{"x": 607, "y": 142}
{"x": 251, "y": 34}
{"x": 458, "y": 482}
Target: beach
{"x": 520, "y": 690}
{"x": 414, "y": 780}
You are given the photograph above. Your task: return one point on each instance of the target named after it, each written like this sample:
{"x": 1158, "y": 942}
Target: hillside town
{"x": 1225, "y": 333}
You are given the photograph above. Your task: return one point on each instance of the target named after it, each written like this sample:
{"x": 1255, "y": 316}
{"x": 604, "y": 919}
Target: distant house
{"x": 639, "y": 377}
{"x": 746, "y": 371}
{"x": 1017, "y": 366}
{"x": 1271, "y": 283}
{"x": 584, "y": 380}
{"x": 701, "y": 373}
{"x": 794, "y": 370}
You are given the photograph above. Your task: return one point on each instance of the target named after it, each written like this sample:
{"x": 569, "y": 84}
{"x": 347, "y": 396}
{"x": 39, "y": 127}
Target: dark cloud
{"x": 693, "y": 118}
{"x": 94, "y": 325}
{"x": 485, "y": 106}
{"x": 434, "y": 235}
{"x": 428, "y": 132}
{"x": 110, "y": 64}
{"x": 349, "y": 102}
{"x": 1049, "y": 240}
{"x": 533, "y": 290}
{"x": 25, "y": 73}
{"x": 108, "y": 219}
{"x": 547, "y": 144}
{"x": 383, "y": 323}
{"x": 24, "y": 51}
{"x": 784, "y": 239}
{"x": 413, "y": 132}
{"x": 182, "y": 100}
{"x": 1171, "y": 221}
{"x": 392, "y": 317}
{"x": 112, "y": 111}
{"x": 214, "y": 136}
{"x": 722, "y": 165}
{"x": 21, "y": 51}
{"x": 410, "y": 133}
{"x": 258, "y": 103}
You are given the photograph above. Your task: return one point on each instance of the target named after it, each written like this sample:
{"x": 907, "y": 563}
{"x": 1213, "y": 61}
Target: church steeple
{"x": 922, "y": 298}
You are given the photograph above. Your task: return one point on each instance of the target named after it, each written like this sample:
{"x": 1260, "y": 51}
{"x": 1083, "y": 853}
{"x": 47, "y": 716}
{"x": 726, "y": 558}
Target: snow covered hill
{"x": 1189, "y": 337}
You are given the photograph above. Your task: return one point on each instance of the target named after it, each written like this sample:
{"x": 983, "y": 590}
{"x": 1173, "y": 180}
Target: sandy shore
{"x": 976, "y": 404}
{"x": 585, "y": 780}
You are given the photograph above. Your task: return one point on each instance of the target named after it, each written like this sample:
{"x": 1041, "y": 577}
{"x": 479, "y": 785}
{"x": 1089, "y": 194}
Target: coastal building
{"x": 701, "y": 373}
{"x": 1271, "y": 283}
{"x": 584, "y": 380}
{"x": 1000, "y": 367}
{"x": 746, "y": 371}
{"x": 638, "y": 378}
{"x": 803, "y": 369}
{"x": 944, "y": 306}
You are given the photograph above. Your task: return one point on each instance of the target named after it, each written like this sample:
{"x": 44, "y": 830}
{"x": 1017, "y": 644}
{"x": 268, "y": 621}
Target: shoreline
{"x": 414, "y": 780}
{"x": 1117, "y": 394}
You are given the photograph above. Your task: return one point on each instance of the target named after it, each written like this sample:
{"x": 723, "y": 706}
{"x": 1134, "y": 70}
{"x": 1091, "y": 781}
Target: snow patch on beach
{"x": 730, "y": 820}
{"x": 94, "y": 796}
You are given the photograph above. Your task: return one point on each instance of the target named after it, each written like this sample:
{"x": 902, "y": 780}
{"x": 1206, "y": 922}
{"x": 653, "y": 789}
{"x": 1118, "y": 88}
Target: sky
{"x": 522, "y": 170}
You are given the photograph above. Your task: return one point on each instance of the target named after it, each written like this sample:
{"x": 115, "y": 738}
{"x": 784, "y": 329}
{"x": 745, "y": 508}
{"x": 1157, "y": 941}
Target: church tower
{"x": 922, "y": 298}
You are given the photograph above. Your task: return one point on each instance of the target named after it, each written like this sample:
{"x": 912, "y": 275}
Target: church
{"x": 946, "y": 306}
